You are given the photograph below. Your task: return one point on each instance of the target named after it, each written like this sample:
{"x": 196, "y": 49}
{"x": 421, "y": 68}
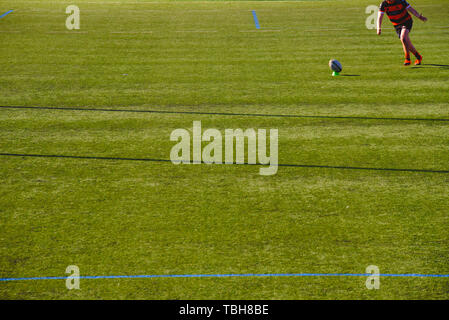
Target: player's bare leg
{"x": 408, "y": 45}
{"x": 405, "y": 46}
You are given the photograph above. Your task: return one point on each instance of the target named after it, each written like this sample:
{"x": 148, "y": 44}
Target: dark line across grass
{"x": 227, "y": 113}
{"x": 192, "y": 162}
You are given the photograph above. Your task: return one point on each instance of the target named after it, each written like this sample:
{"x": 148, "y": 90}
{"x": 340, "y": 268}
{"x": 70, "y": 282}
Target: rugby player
{"x": 398, "y": 12}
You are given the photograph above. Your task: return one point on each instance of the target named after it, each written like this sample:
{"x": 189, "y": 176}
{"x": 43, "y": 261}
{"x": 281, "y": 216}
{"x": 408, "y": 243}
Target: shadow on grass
{"x": 432, "y": 65}
{"x": 350, "y": 75}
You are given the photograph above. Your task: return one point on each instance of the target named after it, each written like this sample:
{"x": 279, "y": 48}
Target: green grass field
{"x": 122, "y": 217}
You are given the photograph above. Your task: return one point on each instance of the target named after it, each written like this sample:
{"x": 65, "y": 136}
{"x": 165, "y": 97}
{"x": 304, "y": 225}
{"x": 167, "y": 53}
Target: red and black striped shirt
{"x": 396, "y": 10}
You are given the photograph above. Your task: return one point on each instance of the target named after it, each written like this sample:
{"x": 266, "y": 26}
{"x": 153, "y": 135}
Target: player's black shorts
{"x": 407, "y": 25}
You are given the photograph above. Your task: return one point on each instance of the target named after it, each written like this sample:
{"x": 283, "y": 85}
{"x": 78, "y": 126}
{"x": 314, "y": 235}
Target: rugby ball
{"x": 335, "y": 65}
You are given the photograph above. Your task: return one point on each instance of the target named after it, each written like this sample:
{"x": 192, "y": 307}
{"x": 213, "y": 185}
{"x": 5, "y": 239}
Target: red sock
{"x": 407, "y": 56}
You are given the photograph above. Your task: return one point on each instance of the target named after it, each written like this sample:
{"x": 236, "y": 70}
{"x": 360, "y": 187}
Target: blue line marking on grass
{"x": 6, "y": 13}
{"x": 256, "y": 21}
{"x": 417, "y": 275}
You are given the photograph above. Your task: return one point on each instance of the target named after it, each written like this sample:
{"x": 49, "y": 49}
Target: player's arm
{"x": 380, "y": 17}
{"x": 416, "y": 14}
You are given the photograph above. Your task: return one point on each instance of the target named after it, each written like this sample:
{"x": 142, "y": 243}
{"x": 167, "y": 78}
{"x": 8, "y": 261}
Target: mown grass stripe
{"x": 202, "y": 162}
{"x": 414, "y": 275}
{"x": 228, "y": 113}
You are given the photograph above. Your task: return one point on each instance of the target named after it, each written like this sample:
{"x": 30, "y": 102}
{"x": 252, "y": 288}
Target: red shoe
{"x": 407, "y": 62}
{"x": 418, "y": 61}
